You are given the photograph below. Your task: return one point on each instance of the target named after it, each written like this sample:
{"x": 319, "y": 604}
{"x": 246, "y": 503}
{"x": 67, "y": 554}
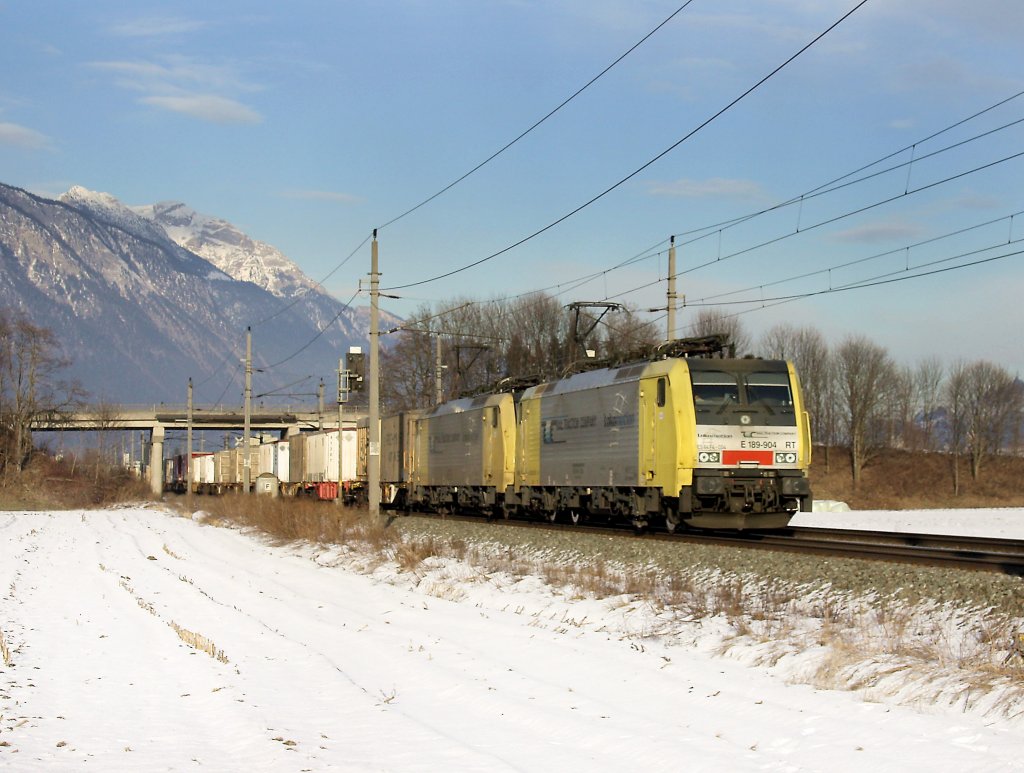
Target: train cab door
{"x": 653, "y": 396}
{"x": 492, "y": 448}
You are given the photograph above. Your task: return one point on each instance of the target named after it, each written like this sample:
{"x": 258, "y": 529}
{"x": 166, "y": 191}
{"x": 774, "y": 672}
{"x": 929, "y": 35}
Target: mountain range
{"x": 142, "y": 298}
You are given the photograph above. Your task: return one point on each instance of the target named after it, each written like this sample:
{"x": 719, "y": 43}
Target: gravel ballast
{"x": 1000, "y": 592}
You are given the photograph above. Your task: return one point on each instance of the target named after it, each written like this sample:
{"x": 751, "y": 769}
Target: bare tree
{"x": 928, "y": 382}
{"x": 902, "y": 407}
{"x": 408, "y": 367}
{"x": 716, "y": 322}
{"x": 955, "y": 394}
{"x": 807, "y": 349}
{"x": 863, "y": 371}
{"x": 30, "y": 389}
{"x": 991, "y": 408}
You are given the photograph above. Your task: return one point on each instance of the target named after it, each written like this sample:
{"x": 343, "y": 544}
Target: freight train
{"x": 672, "y": 440}
{"x": 679, "y": 442}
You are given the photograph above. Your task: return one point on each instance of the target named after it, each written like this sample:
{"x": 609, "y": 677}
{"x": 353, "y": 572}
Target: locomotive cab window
{"x": 662, "y": 387}
{"x": 771, "y": 390}
{"x": 713, "y": 390}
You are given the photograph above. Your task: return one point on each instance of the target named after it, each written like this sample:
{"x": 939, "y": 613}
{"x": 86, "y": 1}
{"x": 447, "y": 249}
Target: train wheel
{"x": 639, "y": 525}
{"x": 575, "y": 517}
{"x": 550, "y": 515}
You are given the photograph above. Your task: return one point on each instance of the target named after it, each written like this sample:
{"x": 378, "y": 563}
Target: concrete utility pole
{"x": 341, "y": 405}
{"x": 188, "y": 453}
{"x": 246, "y": 460}
{"x": 373, "y": 452}
{"x": 671, "y": 325}
{"x": 437, "y": 370}
{"x": 320, "y": 406}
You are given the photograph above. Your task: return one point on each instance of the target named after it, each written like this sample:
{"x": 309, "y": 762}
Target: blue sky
{"x": 308, "y": 124}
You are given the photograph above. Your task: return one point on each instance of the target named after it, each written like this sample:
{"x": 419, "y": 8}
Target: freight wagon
{"x": 313, "y": 462}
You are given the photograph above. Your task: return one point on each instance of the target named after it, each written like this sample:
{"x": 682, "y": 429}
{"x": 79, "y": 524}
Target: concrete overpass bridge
{"x": 159, "y": 418}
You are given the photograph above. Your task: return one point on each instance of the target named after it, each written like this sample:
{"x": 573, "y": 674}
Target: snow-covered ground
{"x": 139, "y": 640}
{"x": 1001, "y": 523}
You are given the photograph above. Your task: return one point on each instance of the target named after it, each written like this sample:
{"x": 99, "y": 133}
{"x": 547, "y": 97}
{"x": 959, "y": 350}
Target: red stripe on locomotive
{"x": 739, "y": 457}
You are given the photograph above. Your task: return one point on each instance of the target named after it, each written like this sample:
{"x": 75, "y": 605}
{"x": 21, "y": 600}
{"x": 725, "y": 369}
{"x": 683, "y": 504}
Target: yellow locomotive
{"x": 706, "y": 443}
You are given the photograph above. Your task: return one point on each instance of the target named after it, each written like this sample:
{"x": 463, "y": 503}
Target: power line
{"x": 320, "y": 332}
{"x": 477, "y": 167}
{"x": 848, "y": 264}
{"x": 565, "y": 102}
{"x": 882, "y": 279}
{"x": 828, "y": 221}
{"x": 822, "y": 189}
{"x": 300, "y": 296}
{"x": 637, "y": 171}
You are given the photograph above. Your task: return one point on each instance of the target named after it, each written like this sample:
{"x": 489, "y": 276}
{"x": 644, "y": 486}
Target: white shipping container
{"x": 321, "y": 455}
{"x": 202, "y": 468}
{"x": 267, "y": 457}
{"x": 349, "y": 453}
{"x": 282, "y": 466}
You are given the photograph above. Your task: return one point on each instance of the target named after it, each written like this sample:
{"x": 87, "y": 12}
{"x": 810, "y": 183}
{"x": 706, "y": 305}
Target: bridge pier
{"x": 156, "y": 460}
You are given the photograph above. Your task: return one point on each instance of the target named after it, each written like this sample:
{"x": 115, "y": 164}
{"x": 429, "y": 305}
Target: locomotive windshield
{"x": 714, "y": 389}
{"x": 770, "y": 389}
{"x": 733, "y": 393}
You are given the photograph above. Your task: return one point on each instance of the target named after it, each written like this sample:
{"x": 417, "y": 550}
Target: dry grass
{"x": 49, "y": 484}
{"x": 199, "y": 642}
{"x": 5, "y": 652}
{"x": 904, "y": 480}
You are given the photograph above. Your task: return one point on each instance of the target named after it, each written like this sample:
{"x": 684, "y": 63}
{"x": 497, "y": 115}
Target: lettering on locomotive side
{"x": 439, "y": 439}
{"x": 620, "y": 420}
{"x": 565, "y": 423}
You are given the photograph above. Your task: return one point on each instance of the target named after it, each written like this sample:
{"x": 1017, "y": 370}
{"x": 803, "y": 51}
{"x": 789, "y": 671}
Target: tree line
{"x": 857, "y": 396}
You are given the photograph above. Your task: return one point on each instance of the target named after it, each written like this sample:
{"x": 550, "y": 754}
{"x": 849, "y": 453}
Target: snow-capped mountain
{"x": 137, "y": 313}
{"x": 249, "y": 260}
{"x": 230, "y": 250}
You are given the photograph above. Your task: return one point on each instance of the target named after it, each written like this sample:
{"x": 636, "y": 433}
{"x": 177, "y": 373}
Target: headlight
{"x": 787, "y": 457}
{"x": 706, "y": 485}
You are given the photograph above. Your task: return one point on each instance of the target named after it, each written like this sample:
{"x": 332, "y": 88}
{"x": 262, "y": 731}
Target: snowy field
{"x": 138, "y": 640}
{"x": 997, "y": 523}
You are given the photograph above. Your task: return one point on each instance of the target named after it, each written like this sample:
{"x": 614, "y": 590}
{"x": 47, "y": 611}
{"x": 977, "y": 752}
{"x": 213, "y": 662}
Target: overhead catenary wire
{"x": 487, "y": 160}
{"x": 562, "y": 104}
{"x": 830, "y": 186}
{"x": 827, "y": 221}
{"x": 882, "y": 279}
{"x": 858, "y": 261}
{"x": 345, "y": 306}
{"x": 300, "y": 296}
{"x": 644, "y": 166}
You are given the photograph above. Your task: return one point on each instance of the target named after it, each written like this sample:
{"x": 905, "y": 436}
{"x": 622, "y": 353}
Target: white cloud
{"x": 714, "y": 187}
{"x": 174, "y": 72}
{"x": 22, "y": 137}
{"x": 156, "y": 25}
{"x": 188, "y": 86}
{"x": 344, "y": 198}
{"x": 206, "y": 107}
{"x": 875, "y": 233}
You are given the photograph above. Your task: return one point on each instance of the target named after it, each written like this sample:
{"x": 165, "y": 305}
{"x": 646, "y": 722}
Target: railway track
{"x": 973, "y": 553}
{"x": 970, "y": 553}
